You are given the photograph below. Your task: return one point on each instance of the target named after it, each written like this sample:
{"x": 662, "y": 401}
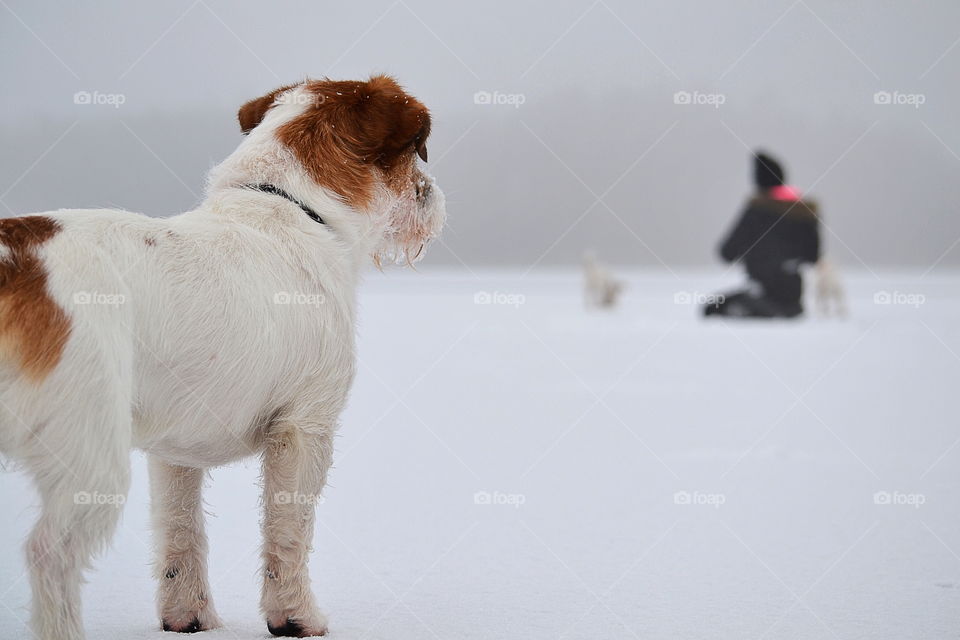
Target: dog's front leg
{"x": 295, "y": 464}
{"x": 183, "y": 597}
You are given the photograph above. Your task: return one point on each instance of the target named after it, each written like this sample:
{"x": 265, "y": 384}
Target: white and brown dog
{"x": 220, "y": 333}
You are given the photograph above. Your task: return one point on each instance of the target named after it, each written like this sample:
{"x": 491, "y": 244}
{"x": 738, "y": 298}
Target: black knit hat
{"x": 767, "y": 172}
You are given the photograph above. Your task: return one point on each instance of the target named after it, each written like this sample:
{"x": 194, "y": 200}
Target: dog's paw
{"x": 191, "y": 627}
{"x": 297, "y": 627}
{"x": 191, "y": 622}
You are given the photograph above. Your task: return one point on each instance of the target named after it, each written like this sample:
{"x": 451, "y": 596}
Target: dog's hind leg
{"x": 295, "y": 465}
{"x": 81, "y": 466}
{"x": 183, "y": 597}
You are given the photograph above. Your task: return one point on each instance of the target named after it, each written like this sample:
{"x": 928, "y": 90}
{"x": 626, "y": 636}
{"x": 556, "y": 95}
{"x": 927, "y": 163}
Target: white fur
{"x": 828, "y": 290}
{"x": 601, "y": 288}
{"x": 220, "y": 333}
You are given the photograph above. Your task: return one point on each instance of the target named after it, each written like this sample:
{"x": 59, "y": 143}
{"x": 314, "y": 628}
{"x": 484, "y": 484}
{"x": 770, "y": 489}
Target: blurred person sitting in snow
{"x": 777, "y": 233}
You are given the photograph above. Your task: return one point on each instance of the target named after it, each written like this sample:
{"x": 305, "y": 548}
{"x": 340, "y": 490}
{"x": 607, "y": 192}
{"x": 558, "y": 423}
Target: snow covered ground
{"x": 512, "y": 466}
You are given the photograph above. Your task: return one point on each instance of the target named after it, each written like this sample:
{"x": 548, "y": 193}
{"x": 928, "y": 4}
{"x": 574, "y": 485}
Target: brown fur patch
{"x": 353, "y": 134}
{"x": 33, "y": 328}
{"x": 251, "y": 114}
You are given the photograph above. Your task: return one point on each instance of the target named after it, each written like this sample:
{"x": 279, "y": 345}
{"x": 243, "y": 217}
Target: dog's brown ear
{"x": 405, "y": 120}
{"x": 376, "y": 120}
{"x": 252, "y": 113}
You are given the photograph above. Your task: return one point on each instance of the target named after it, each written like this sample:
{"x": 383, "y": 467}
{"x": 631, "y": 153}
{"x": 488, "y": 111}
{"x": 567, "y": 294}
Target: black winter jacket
{"x": 771, "y": 230}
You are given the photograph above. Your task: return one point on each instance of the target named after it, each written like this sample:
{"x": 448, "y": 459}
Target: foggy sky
{"x": 597, "y": 155}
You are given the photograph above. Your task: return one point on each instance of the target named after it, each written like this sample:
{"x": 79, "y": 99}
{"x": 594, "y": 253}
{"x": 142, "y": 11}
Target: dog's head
{"x": 360, "y": 141}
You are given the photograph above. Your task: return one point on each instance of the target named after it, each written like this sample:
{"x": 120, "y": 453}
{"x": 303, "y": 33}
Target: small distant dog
{"x": 829, "y": 293}
{"x": 601, "y": 288}
{"x": 220, "y": 333}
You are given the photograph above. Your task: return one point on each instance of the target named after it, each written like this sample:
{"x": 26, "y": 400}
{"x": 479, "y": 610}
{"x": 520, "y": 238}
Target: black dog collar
{"x": 277, "y": 191}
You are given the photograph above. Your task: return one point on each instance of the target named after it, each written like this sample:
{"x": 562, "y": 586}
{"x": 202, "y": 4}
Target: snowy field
{"x": 512, "y": 466}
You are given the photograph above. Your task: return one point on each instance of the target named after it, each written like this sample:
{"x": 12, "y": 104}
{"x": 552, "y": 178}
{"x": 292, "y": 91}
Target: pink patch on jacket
{"x": 784, "y": 192}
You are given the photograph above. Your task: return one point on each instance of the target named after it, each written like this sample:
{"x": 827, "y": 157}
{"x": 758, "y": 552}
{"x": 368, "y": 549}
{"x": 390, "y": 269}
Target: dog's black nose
{"x": 192, "y": 627}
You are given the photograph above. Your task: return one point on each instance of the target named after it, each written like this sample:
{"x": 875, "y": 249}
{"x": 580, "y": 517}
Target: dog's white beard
{"x": 410, "y": 226}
